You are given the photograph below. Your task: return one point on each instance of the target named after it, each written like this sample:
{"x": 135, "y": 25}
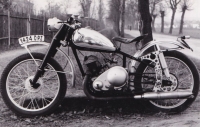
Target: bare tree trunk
{"x": 153, "y": 23}
{"x": 114, "y": 14}
{"x": 123, "y": 18}
{"x": 172, "y": 21}
{"x": 133, "y": 24}
{"x": 182, "y": 22}
{"x": 101, "y": 14}
{"x": 85, "y": 5}
{"x": 162, "y": 21}
{"x": 117, "y": 24}
{"x": 145, "y": 21}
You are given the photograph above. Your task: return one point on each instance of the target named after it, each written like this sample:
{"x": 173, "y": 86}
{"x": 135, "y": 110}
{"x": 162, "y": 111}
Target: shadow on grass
{"x": 120, "y": 106}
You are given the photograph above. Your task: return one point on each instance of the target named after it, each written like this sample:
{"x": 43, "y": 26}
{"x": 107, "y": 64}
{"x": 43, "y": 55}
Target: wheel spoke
{"x": 42, "y": 99}
{"x": 22, "y": 68}
{"x": 32, "y": 101}
{"x": 182, "y": 74}
{"x": 23, "y": 96}
{"x": 49, "y": 89}
{"x": 28, "y": 69}
{"x": 37, "y": 104}
{"x": 185, "y": 77}
{"x": 15, "y": 86}
{"x": 177, "y": 68}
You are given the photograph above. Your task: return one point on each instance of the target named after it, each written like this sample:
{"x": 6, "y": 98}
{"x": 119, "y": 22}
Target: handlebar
{"x": 54, "y": 24}
{"x": 185, "y": 37}
{"x": 72, "y": 23}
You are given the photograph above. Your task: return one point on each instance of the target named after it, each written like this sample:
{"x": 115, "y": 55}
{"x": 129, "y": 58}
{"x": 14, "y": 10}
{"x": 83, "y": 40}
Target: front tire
{"x": 183, "y": 71}
{"x": 19, "y": 95}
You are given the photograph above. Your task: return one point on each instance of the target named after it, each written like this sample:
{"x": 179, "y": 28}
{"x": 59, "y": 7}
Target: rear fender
{"x": 149, "y": 48}
{"x": 166, "y": 46}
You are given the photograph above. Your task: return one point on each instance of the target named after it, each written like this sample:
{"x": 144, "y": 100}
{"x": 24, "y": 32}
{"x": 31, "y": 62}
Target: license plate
{"x": 31, "y": 38}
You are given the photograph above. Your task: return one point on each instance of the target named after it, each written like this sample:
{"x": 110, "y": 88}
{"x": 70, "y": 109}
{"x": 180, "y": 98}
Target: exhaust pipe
{"x": 150, "y": 95}
{"x": 165, "y": 95}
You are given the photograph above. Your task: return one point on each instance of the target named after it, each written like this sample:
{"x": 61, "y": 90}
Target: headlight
{"x": 53, "y": 24}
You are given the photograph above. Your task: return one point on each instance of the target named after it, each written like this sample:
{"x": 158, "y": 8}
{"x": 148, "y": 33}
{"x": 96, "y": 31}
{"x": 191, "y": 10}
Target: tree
{"x": 145, "y": 20}
{"x": 132, "y": 12}
{"x": 85, "y": 6}
{"x": 114, "y": 14}
{"x": 162, "y": 15}
{"x": 93, "y": 10}
{"x": 122, "y": 18}
{"x": 5, "y": 4}
{"x": 117, "y": 15}
{"x": 100, "y": 11}
{"x": 101, "y": 14}
{"x": 173, "y": 5}
{"x": 154, "y": 11}
{"x": 50, "y": 7}
{"x": 185, "y": 5}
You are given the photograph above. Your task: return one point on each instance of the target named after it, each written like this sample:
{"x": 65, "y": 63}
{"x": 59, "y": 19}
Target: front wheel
{"x": 184, "y": 74}
{"x": 19, "y": 95}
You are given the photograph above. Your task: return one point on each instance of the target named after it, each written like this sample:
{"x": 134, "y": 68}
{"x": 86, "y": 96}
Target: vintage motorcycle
{"x": 35, "y": 83}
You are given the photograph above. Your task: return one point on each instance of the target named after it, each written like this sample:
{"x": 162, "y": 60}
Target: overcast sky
{"x": 193, "y": 15}
{"x": 74, "y": 9}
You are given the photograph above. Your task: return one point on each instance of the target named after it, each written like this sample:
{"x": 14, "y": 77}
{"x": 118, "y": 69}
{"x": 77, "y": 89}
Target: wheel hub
{"x": 171, "y": 85}
{"x": 30, "y": 87}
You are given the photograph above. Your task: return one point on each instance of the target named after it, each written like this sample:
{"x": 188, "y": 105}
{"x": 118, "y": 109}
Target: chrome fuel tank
{"x": 91, "y": 39}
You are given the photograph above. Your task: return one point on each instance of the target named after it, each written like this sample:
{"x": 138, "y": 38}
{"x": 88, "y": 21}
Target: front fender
{"x": 166, "y": 45}
{"x": 26, "y": 45}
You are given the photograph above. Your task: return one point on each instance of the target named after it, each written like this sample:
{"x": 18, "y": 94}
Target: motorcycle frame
{"x": 55, "y": 45}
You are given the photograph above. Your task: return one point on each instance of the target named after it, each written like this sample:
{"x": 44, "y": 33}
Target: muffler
{"x": 165, "y": 95}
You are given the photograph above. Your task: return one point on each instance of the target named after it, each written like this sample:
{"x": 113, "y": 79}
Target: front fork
{"x": 60, "y": 35}
{"x": 40, "y": 71}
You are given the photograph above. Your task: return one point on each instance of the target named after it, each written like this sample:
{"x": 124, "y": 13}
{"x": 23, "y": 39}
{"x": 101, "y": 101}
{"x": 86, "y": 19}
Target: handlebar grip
{"x": 70, "y": 20}
{"x": 185, "y": 37}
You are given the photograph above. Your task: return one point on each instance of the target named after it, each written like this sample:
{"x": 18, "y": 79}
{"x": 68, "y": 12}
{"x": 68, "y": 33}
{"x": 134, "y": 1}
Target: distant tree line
{"x": 156, "y": 8}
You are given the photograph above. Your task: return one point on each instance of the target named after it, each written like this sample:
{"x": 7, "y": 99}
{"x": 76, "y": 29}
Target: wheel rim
{"x": 23, "y": 95}
{"x": 185, "y": 81}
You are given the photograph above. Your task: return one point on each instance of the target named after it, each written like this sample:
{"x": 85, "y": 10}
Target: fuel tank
{"x": 91, "y": 39}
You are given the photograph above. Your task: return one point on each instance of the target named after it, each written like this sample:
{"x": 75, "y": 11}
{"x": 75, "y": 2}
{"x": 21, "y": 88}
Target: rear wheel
{"x": 184, "y": 74}
{"x": 21, "y": 97}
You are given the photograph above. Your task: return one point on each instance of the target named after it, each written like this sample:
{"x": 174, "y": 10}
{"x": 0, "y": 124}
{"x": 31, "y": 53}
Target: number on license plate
{"x": 31, "y": 38}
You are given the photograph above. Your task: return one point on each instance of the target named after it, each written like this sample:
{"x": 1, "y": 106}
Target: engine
{"x": 92, "y": 65}
{"x": 104, "y": 79}
{"x": 115, "y": 77}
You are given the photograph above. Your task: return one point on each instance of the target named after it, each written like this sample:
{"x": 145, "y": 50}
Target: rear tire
{"x": 183, "y": 70}
{"x": 21, "y": 97}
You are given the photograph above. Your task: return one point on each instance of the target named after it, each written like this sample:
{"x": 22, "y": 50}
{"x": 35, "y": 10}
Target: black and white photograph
{"x": 99, "y": 63}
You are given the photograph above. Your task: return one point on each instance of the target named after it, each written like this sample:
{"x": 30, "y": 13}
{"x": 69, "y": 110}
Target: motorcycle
{"x": 35, "y": 83}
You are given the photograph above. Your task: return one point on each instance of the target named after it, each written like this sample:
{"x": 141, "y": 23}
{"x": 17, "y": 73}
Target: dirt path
{"x": 78, "y": 111}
